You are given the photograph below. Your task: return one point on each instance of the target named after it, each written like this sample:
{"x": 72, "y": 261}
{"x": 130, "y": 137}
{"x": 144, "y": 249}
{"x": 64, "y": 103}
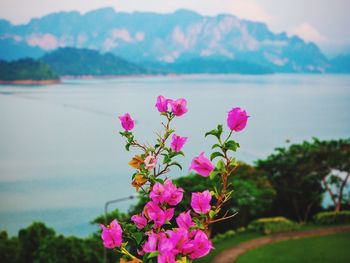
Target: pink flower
{"x": 184, "y": 220}
{"x": 173, "y": 194}
{"x": 202, "y": 165}
{"x": 178, "y": 107}
{"x": 127, "y": 122}
{"x": 157, "y": 214}
{"x": 179, "y": 238}
{"x": 139, "y": 220}
{"x": 166, "y": 257}
{"x": 200, "y": 202}
{"x": 199, "y": 246}
{"x": 158, "y": 193}
{"x": 167, "y": 193}
{"x": 166, "y": 249}
{"x": 162, "y": 103}
{"x": 237, "y": 119}
{"x": 177, "y": 143}
{"x": 150, "y": 162}
{"x": 151, "y": 244}
{"x": 112, "y": 235}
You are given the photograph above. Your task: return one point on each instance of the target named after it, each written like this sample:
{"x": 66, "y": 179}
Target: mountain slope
{"x": 170, "y": 38}
{"x": 86, "y": 62}
{"x": 25, "y": 69}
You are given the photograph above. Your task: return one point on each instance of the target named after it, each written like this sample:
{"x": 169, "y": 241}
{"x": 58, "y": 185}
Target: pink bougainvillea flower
{"x": 184, "y": 220}
{"x": 179, "y": 107}
{"x": 166, "y": 250}
{"x": 166, "y": 257}
{"x": 151, "y": 245}
{"x": 200, "y": 202}
{"x": 202, "y": 165}
{"x": 179, "y": 238}
{"x": 167, "y": 193}
{"x": 237, "y": 119}
{"x": 173, "y": 195}
{"x": 158, "y": 193}
{"x": 162, "y": 103}
{"x": 151, "y": 208}
{"x": 161, "y": 217}
{"x": 177, "y": 143}
{"x": 199, "y": 246}
{"x": 126, "y": 121}
{"x": 157, "y": 214}
{"x": 150, "y": 162}
{"x": 139, "y": 220}
{"x": 112, "y": 235}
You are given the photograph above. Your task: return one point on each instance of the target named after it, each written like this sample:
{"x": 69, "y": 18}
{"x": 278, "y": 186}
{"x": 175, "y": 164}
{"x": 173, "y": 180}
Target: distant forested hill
{"x": 26, "y": 69}
{"x": 341, "y": 64}
{"x": 83, "y": 62}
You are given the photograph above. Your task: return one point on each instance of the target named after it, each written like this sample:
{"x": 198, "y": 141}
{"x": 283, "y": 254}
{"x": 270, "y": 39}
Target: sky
{"x": 322, "y": 21}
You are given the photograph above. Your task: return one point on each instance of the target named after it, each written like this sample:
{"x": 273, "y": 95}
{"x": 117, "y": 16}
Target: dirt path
{"x": 230, "y": 255}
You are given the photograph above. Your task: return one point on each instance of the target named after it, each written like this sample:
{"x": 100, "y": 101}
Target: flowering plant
{"x": 155, "y": 235}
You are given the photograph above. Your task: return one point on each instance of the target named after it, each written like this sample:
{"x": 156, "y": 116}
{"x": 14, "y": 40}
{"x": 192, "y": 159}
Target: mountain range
{"x": 180, "y": 41}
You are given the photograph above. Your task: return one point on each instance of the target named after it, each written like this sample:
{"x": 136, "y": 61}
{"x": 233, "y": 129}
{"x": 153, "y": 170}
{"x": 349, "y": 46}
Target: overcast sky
{"x": 325, "y": 22}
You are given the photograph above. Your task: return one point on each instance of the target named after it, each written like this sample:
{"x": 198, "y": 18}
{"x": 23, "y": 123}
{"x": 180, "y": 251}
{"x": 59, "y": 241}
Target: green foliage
{"x": 39, "y": 244}
{"x": 224, "y": 236}
{"x": 273, "y": 225}
{"x": 30, "y": 240}
{"x": 87, "y": 62}
{"x": 298, "y": 174}
{"x": 65, "y": 249}
{"x": 330, "y": 218}
{"x": 8, "y": 248}
{"x": 26, "y": 69}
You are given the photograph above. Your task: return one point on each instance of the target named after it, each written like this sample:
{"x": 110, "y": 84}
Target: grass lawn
{"x": 228, "y": 243}
{"x": 326, "y": 249}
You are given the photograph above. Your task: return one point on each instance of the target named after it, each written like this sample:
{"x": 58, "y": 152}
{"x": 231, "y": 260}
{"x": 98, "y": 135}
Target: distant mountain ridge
{"x": 180, "y": 37}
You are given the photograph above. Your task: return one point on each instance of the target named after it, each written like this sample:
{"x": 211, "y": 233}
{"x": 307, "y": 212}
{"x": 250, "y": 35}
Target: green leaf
{"x": 138, "y": 237}
{"x": 212, "y": 213}
{"x": 231, "y": 145}
{"x": 213, "y": 174}
{"x": 216, "y": 146}
{"x": 220, "y": 128}
{"x": 215, "y": 154}
{"x": 127, "y": 146}
{"x": 176, "y": 164}
{"x": 233, "y": 162}
{"x": 153, "y": 254}
{"x": 220, "y": 165}
{"x": 159, "y": 180}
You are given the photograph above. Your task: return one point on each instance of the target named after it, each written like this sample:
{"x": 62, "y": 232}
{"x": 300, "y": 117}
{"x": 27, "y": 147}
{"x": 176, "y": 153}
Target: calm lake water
{"x": 61, "y": 157}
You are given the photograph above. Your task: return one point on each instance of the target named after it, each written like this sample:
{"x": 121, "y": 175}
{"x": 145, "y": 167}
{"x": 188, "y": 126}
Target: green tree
{"x": 66, "y": 250}
{"x": 332, "y": 161}
{"x": 301, "y": 174}
{"x": 30, "y": 240}
{"x": 8, "y": 248}
{"x": 26, "y": 69}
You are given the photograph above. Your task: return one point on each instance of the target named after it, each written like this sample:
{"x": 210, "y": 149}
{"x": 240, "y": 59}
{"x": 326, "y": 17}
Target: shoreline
{"x": 30, "y": 82}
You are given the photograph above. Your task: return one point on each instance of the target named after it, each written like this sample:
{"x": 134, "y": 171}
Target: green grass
{"x": 325, "y": 249}
{"x": 228, "y": 243}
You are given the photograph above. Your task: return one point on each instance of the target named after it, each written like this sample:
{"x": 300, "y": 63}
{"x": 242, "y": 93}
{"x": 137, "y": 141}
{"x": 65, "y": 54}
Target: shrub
{"x": 273, "y": 225}
{"x": 329, "y": 218}
{"x": 224, "y": 236}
